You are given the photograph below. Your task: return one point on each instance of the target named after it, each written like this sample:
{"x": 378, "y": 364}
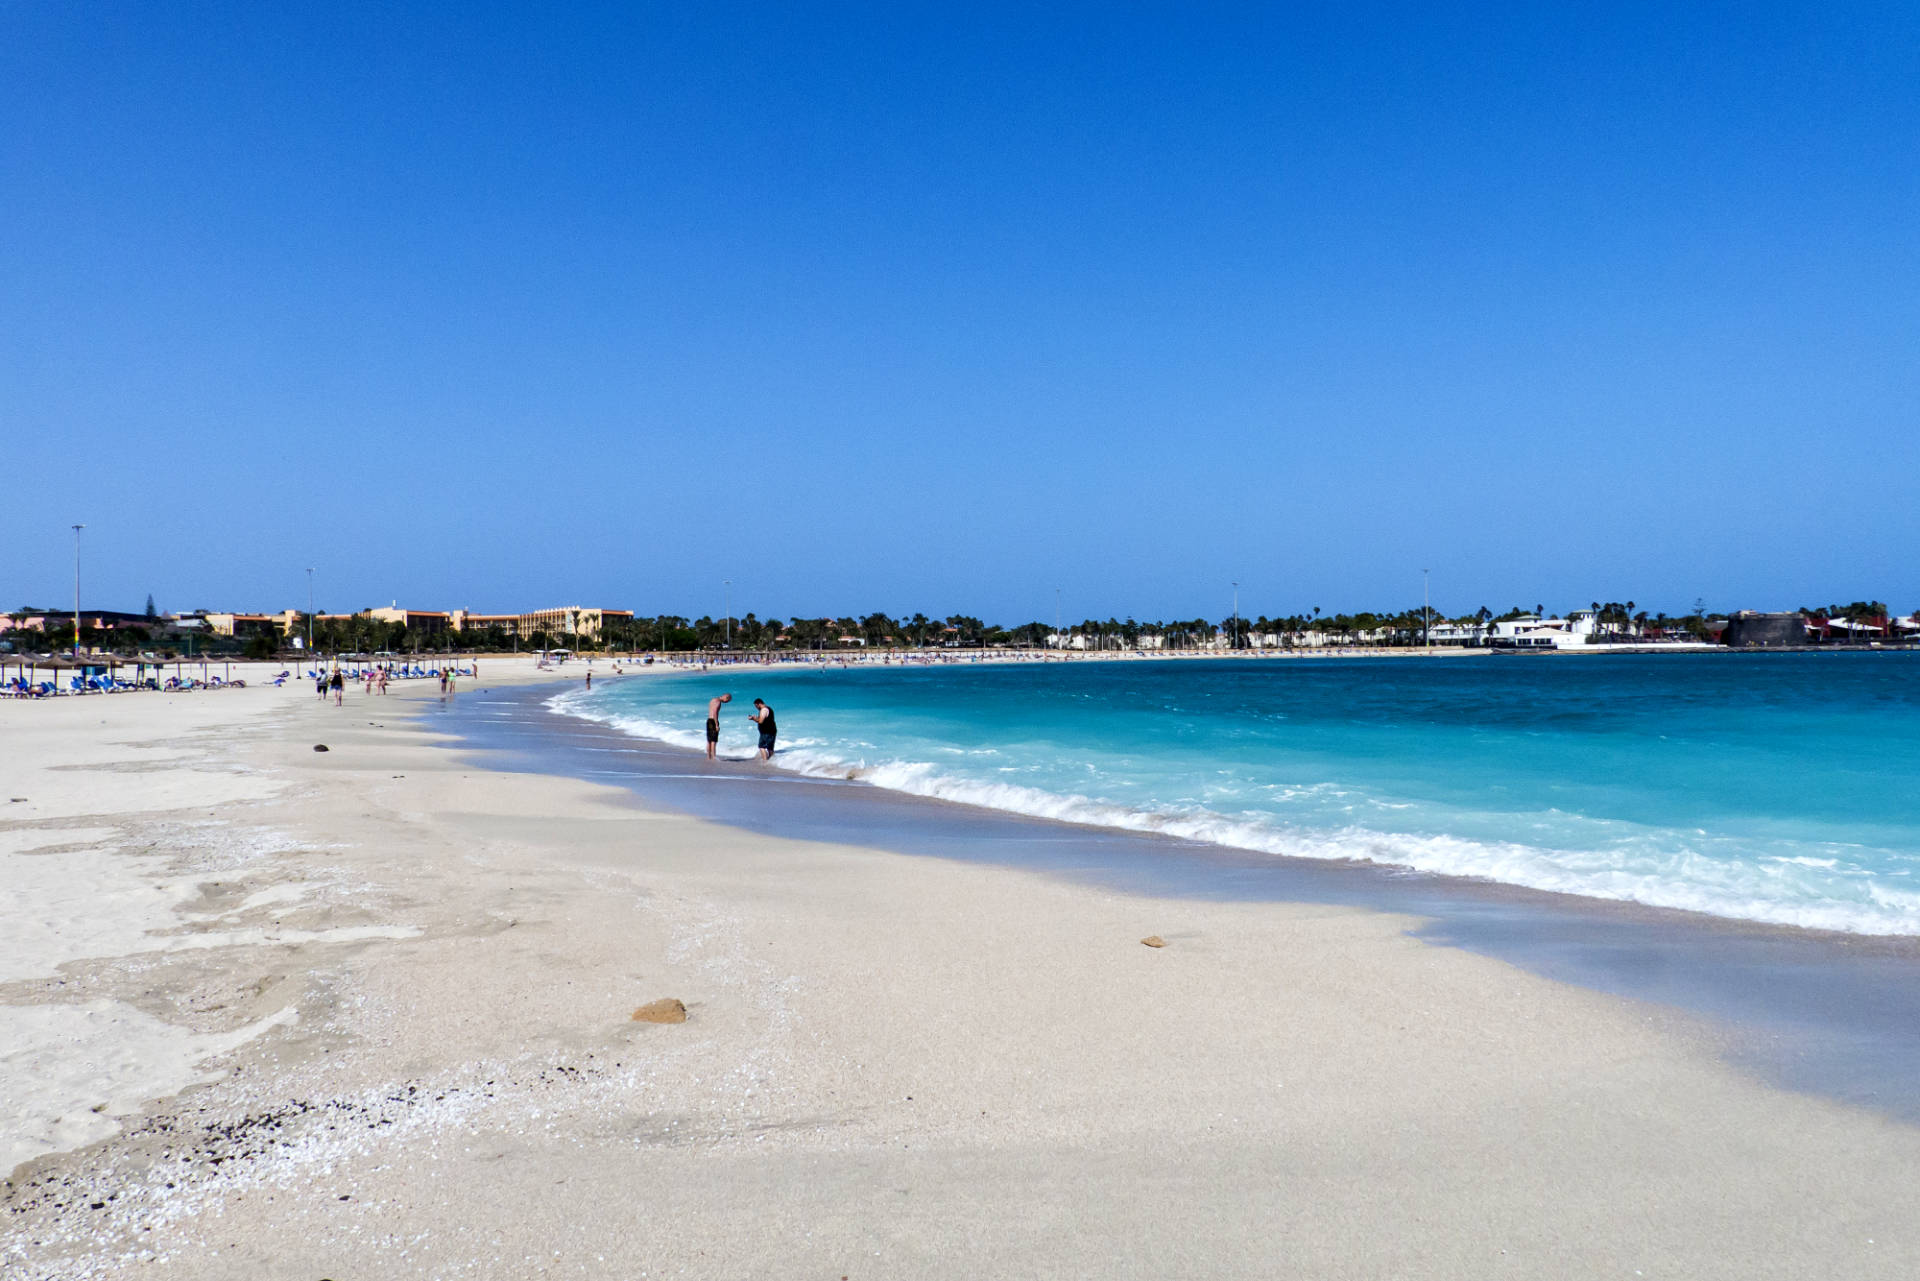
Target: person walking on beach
{"x": 763, "y": 716}
{"x": 713, "y": 723}
{"x": 339, "y": 688}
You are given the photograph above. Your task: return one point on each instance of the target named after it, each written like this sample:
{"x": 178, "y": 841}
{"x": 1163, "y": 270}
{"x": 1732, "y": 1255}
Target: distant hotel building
{"x": 245, "y": 624}
{"x": 572, "y": 620}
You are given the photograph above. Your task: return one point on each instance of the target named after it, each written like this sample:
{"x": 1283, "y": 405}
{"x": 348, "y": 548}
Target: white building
{"x": 1456, "y": 633}
{"x": 1532, "y": 632}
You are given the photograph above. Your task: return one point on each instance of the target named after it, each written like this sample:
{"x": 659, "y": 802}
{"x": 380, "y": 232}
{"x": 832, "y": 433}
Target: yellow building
{"x": 244, "y": 624}
{"x": 421, "y": 622}
{"x": 571, "y": 620}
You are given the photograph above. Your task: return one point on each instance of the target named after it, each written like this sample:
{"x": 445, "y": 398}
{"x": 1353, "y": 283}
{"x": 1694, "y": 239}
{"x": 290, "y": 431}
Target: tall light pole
{"x": 1056, "y": 619}
{"x": 309, "y": 610}
{"x": 1426, "y": 612}
{"x": 727, "y": 599}
{"x": 1233, "y": 642}
{"x": 76, "y": 590}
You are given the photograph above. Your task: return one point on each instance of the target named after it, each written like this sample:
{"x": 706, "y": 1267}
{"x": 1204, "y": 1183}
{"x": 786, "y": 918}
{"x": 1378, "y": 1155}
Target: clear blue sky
{"x": 946, "y": 307}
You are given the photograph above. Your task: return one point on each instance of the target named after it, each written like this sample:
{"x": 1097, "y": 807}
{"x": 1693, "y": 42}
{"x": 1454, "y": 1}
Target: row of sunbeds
{"x": 21, "y": 687}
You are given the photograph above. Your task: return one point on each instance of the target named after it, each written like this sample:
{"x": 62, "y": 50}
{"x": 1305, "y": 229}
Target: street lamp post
{"x": 76, "y": 590}
{"x": 309, "y": 611}
{"x": 1426, "y": 612}
{"x": 1233, "y": 642}
{"x": 727, "y": 600}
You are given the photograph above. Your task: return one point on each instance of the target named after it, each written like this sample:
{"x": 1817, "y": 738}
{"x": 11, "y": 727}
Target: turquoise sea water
{"x": 1781, "y": 788}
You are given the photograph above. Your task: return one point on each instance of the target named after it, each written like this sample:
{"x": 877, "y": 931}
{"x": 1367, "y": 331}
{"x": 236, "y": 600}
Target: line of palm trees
{"x": 1409, "y": 626}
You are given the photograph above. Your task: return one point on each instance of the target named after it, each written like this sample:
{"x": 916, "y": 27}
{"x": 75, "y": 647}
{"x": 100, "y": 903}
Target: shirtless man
{"x": 713, "y": 723}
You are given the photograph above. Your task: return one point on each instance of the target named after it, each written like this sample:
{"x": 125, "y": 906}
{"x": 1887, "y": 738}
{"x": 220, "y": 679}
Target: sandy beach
{"x": 272, "y": 1012}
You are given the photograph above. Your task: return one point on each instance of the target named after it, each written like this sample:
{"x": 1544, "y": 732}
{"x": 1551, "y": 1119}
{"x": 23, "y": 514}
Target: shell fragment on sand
{"x": 665, "y": 1010}
{"x": 1154, "y": 940}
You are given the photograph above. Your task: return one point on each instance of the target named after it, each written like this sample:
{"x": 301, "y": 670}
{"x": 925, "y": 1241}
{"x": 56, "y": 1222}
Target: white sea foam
{"x": 1809, "y": 892}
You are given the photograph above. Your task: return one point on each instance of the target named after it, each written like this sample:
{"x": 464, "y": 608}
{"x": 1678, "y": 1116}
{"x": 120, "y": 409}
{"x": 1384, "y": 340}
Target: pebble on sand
{"x": 1154, "y": 940}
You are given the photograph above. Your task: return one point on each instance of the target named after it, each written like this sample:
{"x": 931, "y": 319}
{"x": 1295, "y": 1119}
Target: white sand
{"x": 408, "y": 1025}
{"x": 60, "y": 1058}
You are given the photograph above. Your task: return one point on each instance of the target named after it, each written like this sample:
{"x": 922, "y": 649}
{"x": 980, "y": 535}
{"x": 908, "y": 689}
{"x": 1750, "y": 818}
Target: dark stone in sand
{"x": 319, "y": 747}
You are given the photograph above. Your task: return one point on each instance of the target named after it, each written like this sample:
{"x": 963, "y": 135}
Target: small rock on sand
{"x": 1154, "y": 940}
{"x": 319, "y": 747}
{"x": 664, "y": 1010}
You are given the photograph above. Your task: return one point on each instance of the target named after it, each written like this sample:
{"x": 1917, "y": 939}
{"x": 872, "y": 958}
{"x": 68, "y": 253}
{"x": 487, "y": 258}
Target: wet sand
{"x": 1829, "y": 1013}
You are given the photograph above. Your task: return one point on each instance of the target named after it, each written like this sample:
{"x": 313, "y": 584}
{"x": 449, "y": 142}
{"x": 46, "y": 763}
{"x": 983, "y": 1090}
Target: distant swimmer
{"x": 713, "y": 723}
{"x": 764, "y": 715}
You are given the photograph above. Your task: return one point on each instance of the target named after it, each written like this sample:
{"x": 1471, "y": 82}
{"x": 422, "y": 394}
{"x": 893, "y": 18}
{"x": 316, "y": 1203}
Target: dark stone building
{"x": 1748, "y": 630}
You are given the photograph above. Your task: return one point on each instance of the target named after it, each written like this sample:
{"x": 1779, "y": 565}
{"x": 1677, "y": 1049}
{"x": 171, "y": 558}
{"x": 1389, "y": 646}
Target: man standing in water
{"x": 713, "y": 723}
{"x": 764, "y": 716}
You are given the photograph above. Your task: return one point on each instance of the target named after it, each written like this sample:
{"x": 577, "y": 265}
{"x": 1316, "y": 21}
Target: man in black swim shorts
{"x": 764, "y": 716}
{"x": 713, "y": 723}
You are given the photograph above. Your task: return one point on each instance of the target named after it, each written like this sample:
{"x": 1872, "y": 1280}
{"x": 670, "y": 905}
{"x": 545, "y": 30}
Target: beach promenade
{"x": 273, "y": 1012}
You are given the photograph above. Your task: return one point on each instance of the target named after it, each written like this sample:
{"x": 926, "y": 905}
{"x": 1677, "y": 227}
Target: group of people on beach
{"x": 335, "y": 682}
{"x": 375, "y": 679}
{"x": 762, "y": 716}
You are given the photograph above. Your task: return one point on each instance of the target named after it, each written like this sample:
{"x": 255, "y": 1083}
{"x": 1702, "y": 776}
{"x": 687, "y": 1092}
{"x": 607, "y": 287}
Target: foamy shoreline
{"x": 862, "y": 756}
{"x": 403, "y": 981}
